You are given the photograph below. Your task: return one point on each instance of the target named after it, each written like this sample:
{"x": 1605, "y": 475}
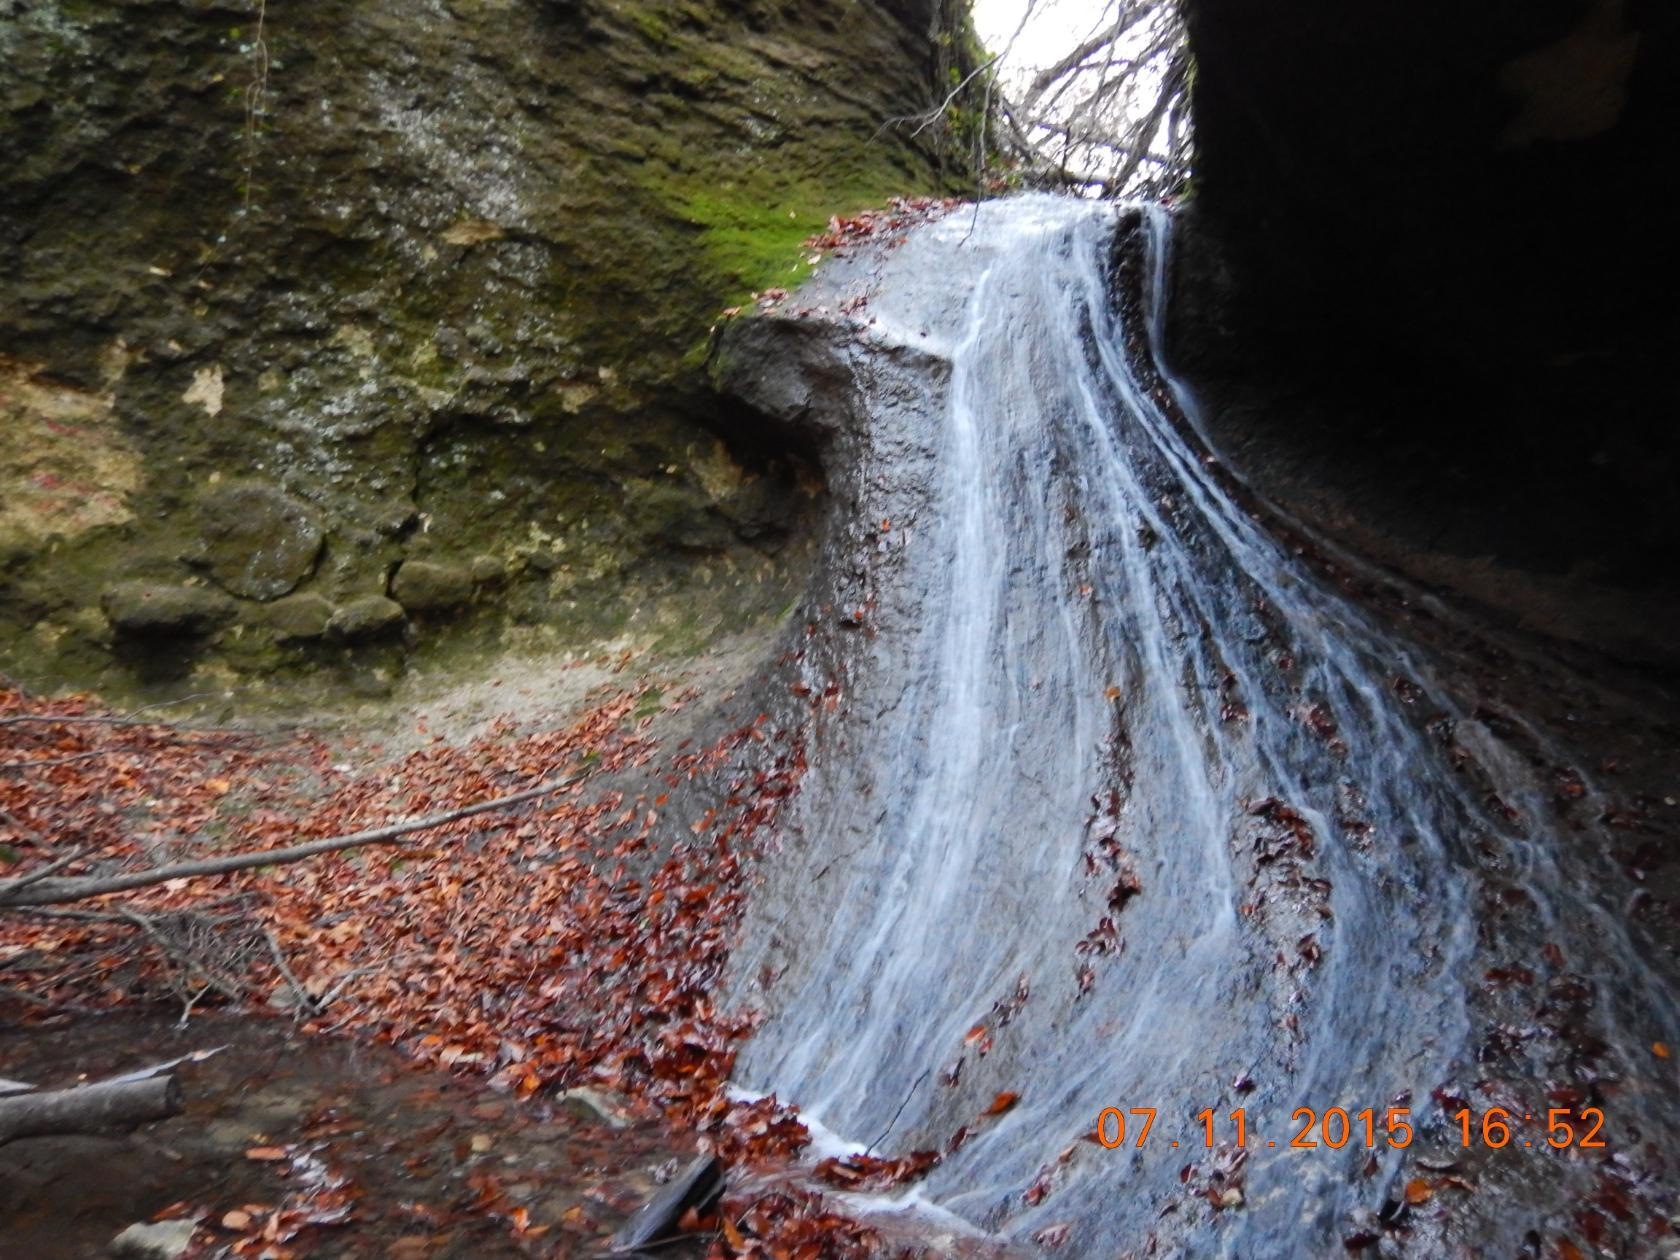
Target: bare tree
{"x": 1109, "y": 117}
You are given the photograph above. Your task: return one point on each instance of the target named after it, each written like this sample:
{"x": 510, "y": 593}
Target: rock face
{"x": 1427, "y": 273}
{"x": 441, "y": 292}
{"x": 1492, "y": 180}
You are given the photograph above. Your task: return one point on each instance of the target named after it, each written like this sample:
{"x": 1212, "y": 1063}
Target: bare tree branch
{"x": 1110, "y": 114}
{"x": 28, "y": 891}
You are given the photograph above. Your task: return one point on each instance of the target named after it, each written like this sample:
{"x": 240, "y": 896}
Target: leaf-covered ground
{"x": 571, "y": 943}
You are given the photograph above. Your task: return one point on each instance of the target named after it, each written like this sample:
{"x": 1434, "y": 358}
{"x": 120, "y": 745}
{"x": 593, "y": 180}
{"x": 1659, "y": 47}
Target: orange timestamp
{"x": 1336, "y": 1127}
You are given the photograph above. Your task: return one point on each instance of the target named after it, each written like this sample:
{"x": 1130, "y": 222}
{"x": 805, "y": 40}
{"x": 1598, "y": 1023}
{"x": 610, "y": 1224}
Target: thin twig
{"x": 885, "y": 1133}
{"x": 300, "y": 994}
{"x": 28, "y": 833}
{"x": 255, "y": 92}
{"x": 344, "y": 982}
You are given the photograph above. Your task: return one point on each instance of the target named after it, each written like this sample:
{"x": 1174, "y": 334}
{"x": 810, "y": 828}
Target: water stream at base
{"x": 1135, "y": 808}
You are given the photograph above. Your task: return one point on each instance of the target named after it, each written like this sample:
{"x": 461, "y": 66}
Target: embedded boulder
{"x": 156, "y": 609}
{"x": 303, "y": 616}
{"x": 370, "y": 617}
{"x": 259, "y": 542}
{"x": 429, "y": 587}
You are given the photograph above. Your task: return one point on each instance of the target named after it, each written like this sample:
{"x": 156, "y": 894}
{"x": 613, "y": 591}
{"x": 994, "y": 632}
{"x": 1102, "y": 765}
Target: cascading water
{"x": 1133, "y": 807}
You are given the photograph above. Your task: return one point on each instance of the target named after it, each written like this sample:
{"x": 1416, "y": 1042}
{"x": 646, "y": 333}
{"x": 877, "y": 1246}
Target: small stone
{"x": 369, "y": 617}
{"x": 397, "y": 519}
{"x": 426, "y": 586}
{"x": 155, "y": 609}
{"x": 543, "y": 561}
{"x": 159, "y": 1240}
{"x": 302, "y": 616}
{"x": 481, "y": 1142}
{"x": 487, "y": 570}
{"x": 1232, "y": 1198}
{"x": 596, "y": 1102}
{"x": 259, "y": 542}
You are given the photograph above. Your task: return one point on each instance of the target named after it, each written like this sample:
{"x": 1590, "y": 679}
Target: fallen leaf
{"x": 1002, "y": 1103}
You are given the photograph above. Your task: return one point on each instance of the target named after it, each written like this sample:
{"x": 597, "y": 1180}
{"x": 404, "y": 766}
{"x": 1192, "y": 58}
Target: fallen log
{"x": 34, "y": 890}
{"x": 88, "y": 1108}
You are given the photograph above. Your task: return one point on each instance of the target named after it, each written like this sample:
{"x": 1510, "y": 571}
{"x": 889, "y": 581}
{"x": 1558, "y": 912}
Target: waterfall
{"x": 1134, "y": 805}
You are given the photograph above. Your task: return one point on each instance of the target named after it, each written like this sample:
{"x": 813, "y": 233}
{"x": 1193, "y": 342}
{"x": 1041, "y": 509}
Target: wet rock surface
{"x": 1560, "y": 759}
{"x": 1436, "y": 278}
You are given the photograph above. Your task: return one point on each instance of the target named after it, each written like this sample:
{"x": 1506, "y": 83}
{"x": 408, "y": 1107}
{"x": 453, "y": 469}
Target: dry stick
{"x": 183, "y": 958}
{"x": 51, "y": 868}
{"x": 927, "y": 118}
{"x": 68, "y": 719}
{"x": 27, "y": 833}
{"x": 300, "y": 995}
{"x": 1046, "y": 78}
{"x": 1145, "y": 131}
{"x": 54, "y": 891}
{"x": 131, "y": 718}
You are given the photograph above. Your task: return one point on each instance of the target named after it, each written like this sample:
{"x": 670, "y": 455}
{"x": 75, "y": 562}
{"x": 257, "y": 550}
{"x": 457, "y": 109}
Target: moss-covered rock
{"x": 438, "y": 277}
{"x": 299, "y": 617}
{"x": 370, "y": 617}
{"x": 152, "y": 609}
{"x": 259, "y": 542}
{"x": 424, "y": 586}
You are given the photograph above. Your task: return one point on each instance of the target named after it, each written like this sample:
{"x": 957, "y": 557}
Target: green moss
{"x": 753, "y": 244}
{"x": 754, "y": 227}
{"x": 652, "y": 26}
